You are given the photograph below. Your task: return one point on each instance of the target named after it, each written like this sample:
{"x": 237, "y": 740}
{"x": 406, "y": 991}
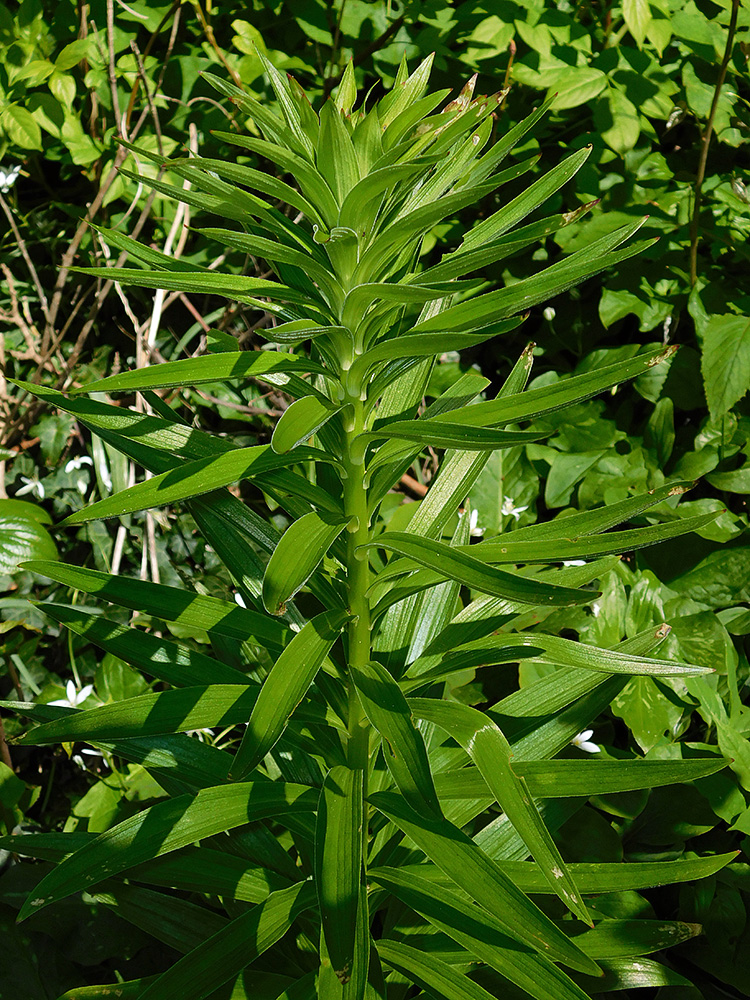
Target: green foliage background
{"x": 636, "y": 81}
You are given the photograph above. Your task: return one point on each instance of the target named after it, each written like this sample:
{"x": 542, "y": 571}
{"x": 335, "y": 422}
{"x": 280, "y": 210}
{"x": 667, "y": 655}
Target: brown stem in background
{"x": 4, "y": 751}
{"x": 705, "y": 140}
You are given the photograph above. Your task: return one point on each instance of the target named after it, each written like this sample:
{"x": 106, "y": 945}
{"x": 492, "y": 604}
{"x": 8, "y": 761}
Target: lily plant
{"x": 363, "y": 833}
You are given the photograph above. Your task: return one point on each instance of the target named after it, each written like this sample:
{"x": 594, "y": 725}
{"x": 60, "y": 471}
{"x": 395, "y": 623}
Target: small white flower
{"x": 583, "y": 742}
{"x": 75, "y": 697}
{"x": 509, "y": 508}
{"x": 8, "y": 177}
{"x": 32, "y": 486}
{"x": 239, "y": 599}
{"x": 574, "y": 562}
{"x": 77, "y": 463}
{"x": 549, "y": 314}
{"x": 475, "y": 528}
{"x": 78, "y": 759}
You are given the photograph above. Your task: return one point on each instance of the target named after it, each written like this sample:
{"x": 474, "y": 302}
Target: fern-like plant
{"x": 369, "y": 835}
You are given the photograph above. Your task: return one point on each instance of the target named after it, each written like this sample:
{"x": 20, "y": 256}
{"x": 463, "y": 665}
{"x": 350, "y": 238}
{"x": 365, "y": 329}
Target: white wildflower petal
{"x": 8, "y": 177}
{"x": 583, "y": 742}
{"x": 84, "y": 693}
{"x": 239, "y": 599}
{"x": 70, "y": 691}
{"x": 75, "y": 464}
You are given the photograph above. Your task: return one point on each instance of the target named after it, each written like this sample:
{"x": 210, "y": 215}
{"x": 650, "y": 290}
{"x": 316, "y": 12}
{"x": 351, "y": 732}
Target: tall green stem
{"x": 358, "y": 578}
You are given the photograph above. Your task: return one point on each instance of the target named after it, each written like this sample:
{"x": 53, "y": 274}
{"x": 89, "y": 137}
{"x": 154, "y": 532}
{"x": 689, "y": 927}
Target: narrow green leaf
{"x": 590, "y": 522}
{"x": 631, "y": 938}
{"x": 158, "y": 657}
{"x": 297, "y": 556}
{"x": 553, "y": 649}
{"x": 193, "y": 479}
{"x": 154, "y": 433}
{"x": 403, "y": 746}
{"x": 631, "y": 973}
{"x": 211, "y": 368}
{"x": 548, "y": 398}
{"x": 311, "y": 183}
{"x": 470, "y": 869}
{"x": 175, "y": 711}
{"x": 521, "y": 206}
{"x": 176, "y": 922}
{"x": 441, "y": 434}
{"x": 226, "y": 953}
{"x": 479, "y": 933}
{"x": 430, "y": 973}
{"x": 300, "y": 421}
{"x": 599, "y": 877}
{"x": 234, "y": 286}
{"x": 338, "y": 864}
{"x": 555, "y": 549}
{"x": 164, "y": 827}
{"x": 562, "y": 778}
{"x": 285, "y": 687}
{"x": 459, "y": 566}
{"x": 426, "y": 345}
{"x": 169, "y": 603}
{"x": 485, "y": 743}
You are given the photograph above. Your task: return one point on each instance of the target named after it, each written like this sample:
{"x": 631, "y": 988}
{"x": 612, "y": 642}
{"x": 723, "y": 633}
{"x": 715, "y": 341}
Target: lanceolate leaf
{"x": 554, "y": 549}
{"x": 441, "y": 434}
{"x": 285, "y": 687}
{"x": 169, "y": 603}
{"x": 299, "y": 422}
{"x": 430, "y": 973}
{"x": 403, "y": 745}
{"x": 560, "y": 778}
{"x": 471, "y": 870}
{"x": 480, "y": 934}
{"x": 338, "y": 864}
{"x": 226, "y": 953}
{"x": 455, "y": 565}
{"x": 591, "y": 522}
{"x": 211, "y": 368}
{"x": 178, "y": 665}
{"x": 553, "y": 649}
{"x": 548, "y": 398}
{"x": 296, "y": 557}
{"x": 488, "y": 748}
{"x": 166, "y": 827}
{"x": 599, "y": 877}
{"x": 193, "y": 479}
{"x": 152, "y": 714}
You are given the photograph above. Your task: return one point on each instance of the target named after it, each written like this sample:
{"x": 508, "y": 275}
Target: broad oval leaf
{"x": 22, "y": 536}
